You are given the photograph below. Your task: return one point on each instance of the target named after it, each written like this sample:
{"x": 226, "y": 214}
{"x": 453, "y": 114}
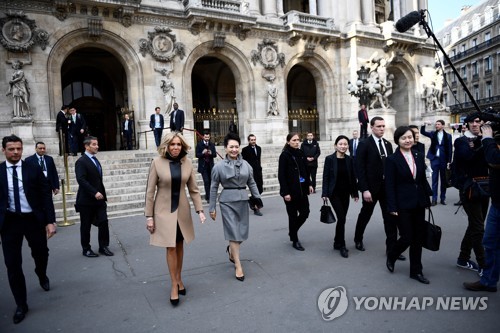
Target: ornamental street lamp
{"x": 363, "y": 90}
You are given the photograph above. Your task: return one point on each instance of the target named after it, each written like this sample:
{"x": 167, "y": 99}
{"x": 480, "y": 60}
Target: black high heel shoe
{"x": 229, "y": 254}
{"x": 174, "y": 302}
{"x": 181, "y": 291}
{"x": 239, "y": 278}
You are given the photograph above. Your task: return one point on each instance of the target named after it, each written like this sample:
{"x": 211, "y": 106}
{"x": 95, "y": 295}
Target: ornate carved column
{"x": 368, "y": 12}
{"x": 324, "y": 8}
{"x": 269, "y": 8}
{"x": 354, "y": 12}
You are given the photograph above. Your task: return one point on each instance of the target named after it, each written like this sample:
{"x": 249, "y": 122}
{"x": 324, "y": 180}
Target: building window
{"x": 474, "y": 68}
{"x": 488, "y": 15}
{"x": 465, "y": 97}
{"x": 488, "y": 90}
{"x": 474, "y": 42}
{"x": 476, "y": 22}
{"x": 487, "y": 65}
{"x": 453, "y": 77}
{"x": 462, "y": 48}
{"x": 487, "y": 36}
{"x": 453, "y": 52}
{"x": 476, "y": 92}
{"x": 464, "y": 72}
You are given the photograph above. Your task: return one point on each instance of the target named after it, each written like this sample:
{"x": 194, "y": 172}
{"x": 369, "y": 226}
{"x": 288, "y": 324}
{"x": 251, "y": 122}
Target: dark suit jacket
{"x": 361, "y": 117}
{"x": 61, "y": 122}
{"x": 248, "y": 154}
{"x": 152, "y": 121}
{"x": 420, "y": 148}
{"x": 447, "y": 144}
{"x": 130, "y": 127}
{"x": 37, "y": 192}
{"x": 89, "y": 183}
{"x": 75, "y": 127}
{"x": 330, "y": 173}
{"x": 177, "y": 124}
{"x": 291, "y": 167}
{"x": 52, "y": 175}
{"x": 351, "y": 147}
{"x": 209, "y": 162}
{"x": 369, "y": 166}
{"x": 402, "y": 191}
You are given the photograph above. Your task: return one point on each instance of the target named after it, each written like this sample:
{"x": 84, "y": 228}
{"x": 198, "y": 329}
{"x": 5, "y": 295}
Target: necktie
{"x": 15, "y": 182}
{"x": 354, "y": 148}
{"x": 255, "y": 150}
{"x": 98, "y": 165}
{"x": 42, "y": 164}
{"x": 381, "y": 148}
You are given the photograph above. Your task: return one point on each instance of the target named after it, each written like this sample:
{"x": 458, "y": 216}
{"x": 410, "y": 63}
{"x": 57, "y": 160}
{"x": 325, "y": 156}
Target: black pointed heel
{"x": 174, "y": 302}
{"x": 229, "y": 254}
{"x": 181, "y": 291}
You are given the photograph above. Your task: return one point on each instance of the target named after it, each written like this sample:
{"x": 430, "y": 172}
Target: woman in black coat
{"x": 295, "y": 186}
{"x": 339, "y": 182}
{"x": 408, "y": 193}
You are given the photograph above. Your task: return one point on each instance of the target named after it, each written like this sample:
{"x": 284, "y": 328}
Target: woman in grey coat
{"x": 234, "y": 174}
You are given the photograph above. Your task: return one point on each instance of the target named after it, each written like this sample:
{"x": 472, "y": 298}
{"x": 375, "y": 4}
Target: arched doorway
{"x": 214, "y": 97}
{"x": 94, "y": 82}
{"x": 302, "y": 106}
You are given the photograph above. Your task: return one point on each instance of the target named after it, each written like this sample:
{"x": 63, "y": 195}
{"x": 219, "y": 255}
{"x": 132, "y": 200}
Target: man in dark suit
{"x": 439, "y": 153}
{"x": 353, "y": 144}
{"x": 127, "y": 131}
{"x": 363, "y": 122}
{"x": 311, "y": 150}
{"x": 91, "y": 199}
{"x": 26, "y": 210}
{"x": 419, "y": 147}
{"x": 205, "y": 152}
{"x": 76, "y": 130}
{"x": 62, "y": 129}
{"x": 176, "y": 119}
{"x": 252, "y": 154}
{"x": 47, "y": 165}
{"x": 370, "y": 159}
{"x": 156, "y": 123}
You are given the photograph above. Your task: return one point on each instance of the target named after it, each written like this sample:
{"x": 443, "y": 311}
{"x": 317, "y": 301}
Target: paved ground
{"x": 130, "y": 291}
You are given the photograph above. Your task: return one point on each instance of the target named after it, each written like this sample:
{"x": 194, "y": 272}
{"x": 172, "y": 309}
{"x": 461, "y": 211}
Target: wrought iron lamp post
{"x": 363, "y": 90}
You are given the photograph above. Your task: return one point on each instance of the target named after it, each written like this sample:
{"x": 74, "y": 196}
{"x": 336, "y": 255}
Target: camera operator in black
{"x": 470, "y": 161}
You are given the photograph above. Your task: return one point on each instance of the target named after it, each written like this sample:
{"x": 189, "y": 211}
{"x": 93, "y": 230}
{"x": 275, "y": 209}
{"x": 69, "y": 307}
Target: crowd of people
{"x": 366, "y": 168}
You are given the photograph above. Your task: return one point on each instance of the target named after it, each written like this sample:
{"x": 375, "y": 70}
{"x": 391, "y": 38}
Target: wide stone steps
{"x": 125, "y": 177}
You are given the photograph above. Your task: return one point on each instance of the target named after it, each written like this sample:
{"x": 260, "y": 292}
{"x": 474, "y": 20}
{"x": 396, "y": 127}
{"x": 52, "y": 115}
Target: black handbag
{"x": 327, "y": 213}
{"x": 477, "y": 188}
{"x": 432, "y": 234}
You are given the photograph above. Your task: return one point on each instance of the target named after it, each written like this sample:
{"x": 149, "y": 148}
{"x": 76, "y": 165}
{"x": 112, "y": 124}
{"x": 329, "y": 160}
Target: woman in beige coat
{"x": 168, "y": 215}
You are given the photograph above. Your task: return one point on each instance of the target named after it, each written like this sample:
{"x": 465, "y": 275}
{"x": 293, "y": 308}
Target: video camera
{"x": 489, "y": 116}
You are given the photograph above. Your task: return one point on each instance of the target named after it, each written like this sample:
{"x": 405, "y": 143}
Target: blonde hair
{"x": 167, "y": 138}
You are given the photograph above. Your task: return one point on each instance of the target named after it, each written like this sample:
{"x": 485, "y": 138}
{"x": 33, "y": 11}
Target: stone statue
{"x": 272, "y": 103}
{"x": 388, "y": 90}
{"x": 19, "y": 90}
{"x": 169, "y": 93}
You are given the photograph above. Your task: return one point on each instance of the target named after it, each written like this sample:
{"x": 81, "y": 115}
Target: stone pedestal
{"x": 277, "y": 129}
{"x": 389, "y": 116}
{"x": 23, "y": 128}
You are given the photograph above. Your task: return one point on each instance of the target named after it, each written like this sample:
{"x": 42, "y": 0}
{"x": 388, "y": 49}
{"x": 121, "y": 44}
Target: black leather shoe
{"x": 182, "y": 291}
{"x": 174, "y": 302}
{"x": 459, "y": 203}
{"x": 344, "y": 252}
{"x": 477, "y": 286}
{"x": 45, "y": 283}
{"x": 90, "y": 254}
{"x": 420, "y": 278}
{"x": 297, "y": 246}
{"x": 240, "y": 278}
{"x": 105, "y": 250}
{"x": 443, "y": 202}
{"x": 360, "y": 246}
{"x": 402, "y": 257}
{"x": 20, "y": 313}
{"x": 390, "y": 265}
{"x": 434, "y": 203}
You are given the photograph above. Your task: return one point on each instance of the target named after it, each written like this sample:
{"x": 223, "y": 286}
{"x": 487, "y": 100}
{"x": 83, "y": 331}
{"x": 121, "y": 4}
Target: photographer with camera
{"x": 471, "y": 166}
{"x": 491, "y": 239}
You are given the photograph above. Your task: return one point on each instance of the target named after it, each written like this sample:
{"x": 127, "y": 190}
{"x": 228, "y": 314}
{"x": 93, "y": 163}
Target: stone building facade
{"x": 271, "y": 66}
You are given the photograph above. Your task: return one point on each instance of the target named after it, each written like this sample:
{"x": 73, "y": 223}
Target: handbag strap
{"x": 431, "y": 216}
{"x": 325, "y": 202}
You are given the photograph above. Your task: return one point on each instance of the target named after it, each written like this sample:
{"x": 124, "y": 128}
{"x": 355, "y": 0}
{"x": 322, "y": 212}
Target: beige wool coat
{"x": 158, "y": 203}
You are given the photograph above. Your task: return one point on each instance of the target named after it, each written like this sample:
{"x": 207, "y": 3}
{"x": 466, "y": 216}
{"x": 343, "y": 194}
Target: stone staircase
{"x": 125, "y": 176}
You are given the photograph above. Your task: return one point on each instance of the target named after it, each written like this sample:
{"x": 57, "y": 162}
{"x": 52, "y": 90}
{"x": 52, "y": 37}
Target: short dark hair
{"x": 413, "y": 127}
{"x": 249, "y": 136}
{"x": 88, "y": 139}
{"x": 400, "y": 131}
{"x": 374, "y": 119}
{"x": 340, "y": 137}
{"x": 156, "y": 108}
{"x": 10, "y": 138}
{"x": 64, "y": 107}
{"x": 440, "y": 121}
{"x": 231, "y": 136}
{"x": 205, "y": 132}
{"x": 39, "y": 143}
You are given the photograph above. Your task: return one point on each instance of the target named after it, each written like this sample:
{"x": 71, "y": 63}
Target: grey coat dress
{"x": 234, "y": 176}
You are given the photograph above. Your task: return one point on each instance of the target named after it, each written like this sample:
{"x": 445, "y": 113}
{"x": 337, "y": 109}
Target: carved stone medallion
{"x": 19, "y": 34}
{"x": 162, "y": 45}
{"x": 267, "y": 55}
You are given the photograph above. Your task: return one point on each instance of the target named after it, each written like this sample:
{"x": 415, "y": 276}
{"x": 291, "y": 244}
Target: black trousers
{"x": 410, "y": 223}
{"x": 298, "y": 212}
{"x": 390, "y": 227}
{"x": 206, "y": 174}
{"x": 340, "y": 204}
{"x": 476, "y": 215}
{"x": 128, "y": 139}
{"x": 88, "y": 214}
{"x": 158, "y": 133}
{"x": 15, "y": 228}
{"x": 312, "y": 171}
{"x": 363, "y": 131}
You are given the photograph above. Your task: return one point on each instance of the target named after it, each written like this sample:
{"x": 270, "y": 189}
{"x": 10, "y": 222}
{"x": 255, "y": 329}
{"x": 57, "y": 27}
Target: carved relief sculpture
{"x": 267, "y": 55}
{"x": 272, "y": 95}
{"x": 162, "y": 45}
{"x": 20, "y": 34}
{"x": 169, "y": 92}
{"x": 19, "y": 90}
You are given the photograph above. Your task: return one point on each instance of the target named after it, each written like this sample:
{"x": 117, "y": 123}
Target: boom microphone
{"x": 408, "y": 21}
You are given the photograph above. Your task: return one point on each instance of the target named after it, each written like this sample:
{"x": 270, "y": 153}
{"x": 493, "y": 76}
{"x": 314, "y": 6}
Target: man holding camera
{"x": 491, "y": 239}
{"x": 471, "y": 166}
